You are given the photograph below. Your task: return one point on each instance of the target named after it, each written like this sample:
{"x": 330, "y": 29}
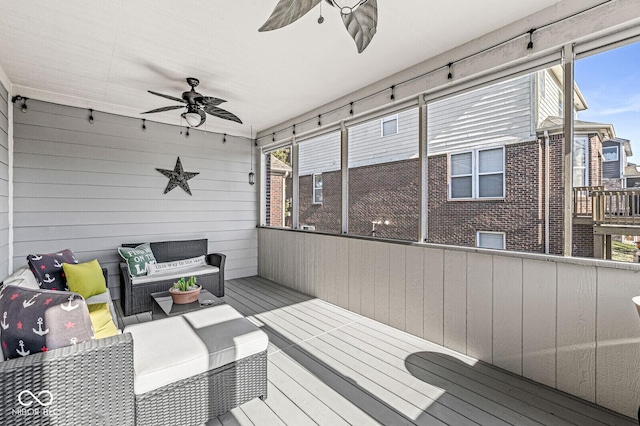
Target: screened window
{"x": 492, "y": 240}
{"x": 580, "y": 156}
{"x": 390, "y": 125}
{"x": 317, "y": 188}
{"x": 278, "y": 188}
{"x": 610, "y": 153}
{"x": 477, "y": 174}
{"x": 320, "y": 183}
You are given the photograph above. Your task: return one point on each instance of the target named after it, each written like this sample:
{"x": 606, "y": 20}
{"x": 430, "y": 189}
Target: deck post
{"x": 598, "y": 246}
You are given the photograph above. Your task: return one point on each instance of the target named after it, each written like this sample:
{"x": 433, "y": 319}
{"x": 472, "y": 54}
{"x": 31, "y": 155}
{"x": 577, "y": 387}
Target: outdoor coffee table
{"x": 164, "y": 307}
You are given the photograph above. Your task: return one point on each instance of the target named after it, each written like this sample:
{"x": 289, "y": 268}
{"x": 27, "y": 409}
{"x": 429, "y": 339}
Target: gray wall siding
{"x": 565, "y": 322}
{"x": 502, "y": 112}
{"x": 91, "y": 187}
{"x": 4, "y": 182}
{"x": 549, "y": 96}
{"x": 319, "y": 154}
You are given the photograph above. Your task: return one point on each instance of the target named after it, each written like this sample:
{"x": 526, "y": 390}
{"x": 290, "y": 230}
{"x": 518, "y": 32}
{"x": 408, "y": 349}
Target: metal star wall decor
{"x": 361, "y": 19}
{"x": 177, "y": 177}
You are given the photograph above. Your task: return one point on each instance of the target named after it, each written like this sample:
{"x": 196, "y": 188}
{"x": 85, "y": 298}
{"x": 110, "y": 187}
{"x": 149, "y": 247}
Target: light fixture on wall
{"x": 252, "y": 176}
{"x": 91, "y": 116}
{"x": 24, "y": 102}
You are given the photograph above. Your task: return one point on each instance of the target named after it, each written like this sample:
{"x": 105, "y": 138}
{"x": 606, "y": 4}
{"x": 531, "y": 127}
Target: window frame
{"x": 475, "y": 175}
{"x": 587, "y": 160}
{"x": 617, "y": 148}
{"x": 504, "y": 239}
{"x": 383, "y": 120}
{"x": 315, "y": 189}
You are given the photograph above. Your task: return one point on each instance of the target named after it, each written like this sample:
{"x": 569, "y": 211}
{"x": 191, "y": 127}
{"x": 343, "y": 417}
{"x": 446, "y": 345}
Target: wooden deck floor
{"x": 330, "y": 366}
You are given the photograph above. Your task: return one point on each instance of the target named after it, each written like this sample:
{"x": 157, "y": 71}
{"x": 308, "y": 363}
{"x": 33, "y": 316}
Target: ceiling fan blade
{"x": 286, "y": 12}
{"x": 168, "y": 108}
{"x": 210, "y": 100}
{"x": 221, "y": 113}
{"x": 173, "y": 98}
{"x": 362, "y": 24}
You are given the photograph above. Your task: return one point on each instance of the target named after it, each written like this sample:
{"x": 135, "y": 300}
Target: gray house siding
{"x": 91, "y": 187}
{"x": 500, "y": 113}
{"x": 549, "y": 95}
{"x": 4, "y": 181}
{"x": 611, "y": 169}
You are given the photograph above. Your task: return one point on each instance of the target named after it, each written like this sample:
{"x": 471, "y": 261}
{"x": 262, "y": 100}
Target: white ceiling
{"x": 106, "y": 55}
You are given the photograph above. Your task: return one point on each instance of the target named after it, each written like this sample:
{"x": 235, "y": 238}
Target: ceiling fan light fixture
{"x": 193, "y": 118}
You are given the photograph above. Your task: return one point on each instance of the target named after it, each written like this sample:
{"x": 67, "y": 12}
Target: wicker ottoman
{"x": 192, "y": 368}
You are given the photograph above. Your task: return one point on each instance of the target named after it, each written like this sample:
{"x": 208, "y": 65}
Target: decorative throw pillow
{"x": 86, "y": 279}
{"x": 176, "y": 265}
{"x": 102, "y": 321}
{"x": 47, "y": 268}
{"x": 39, "y": 320}
{"x": 137, "y": 258}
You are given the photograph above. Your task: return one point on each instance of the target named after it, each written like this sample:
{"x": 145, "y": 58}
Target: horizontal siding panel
{"x": 498, "y": 113}
{"x": 319, "y": 154}
{"x": 28, "y": 219}
{"x": 367, "y": 146}
{"x": 156, "y": 183}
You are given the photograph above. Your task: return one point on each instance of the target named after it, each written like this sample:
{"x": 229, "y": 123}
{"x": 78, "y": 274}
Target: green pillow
{"x": 102, "y": 321}
{"x": 86, "y": 279}
{"x": 137, "y": 258}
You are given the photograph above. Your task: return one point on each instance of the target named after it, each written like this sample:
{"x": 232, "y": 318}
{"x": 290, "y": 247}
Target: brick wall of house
{"x": 326, "y": 217}
{"x": 519, "y": 215}
{"x": 388, "y": 191}
{"x": 556, "y": 193}
{"x": 277, "y": 200}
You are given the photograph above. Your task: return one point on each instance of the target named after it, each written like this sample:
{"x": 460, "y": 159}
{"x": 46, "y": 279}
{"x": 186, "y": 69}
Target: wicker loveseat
{"x": 136, "y": 297}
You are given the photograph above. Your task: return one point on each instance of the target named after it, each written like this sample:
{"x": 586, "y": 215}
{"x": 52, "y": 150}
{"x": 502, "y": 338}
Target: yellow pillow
{"x": 86, "y": 279}
{"x": 102, "y": 321}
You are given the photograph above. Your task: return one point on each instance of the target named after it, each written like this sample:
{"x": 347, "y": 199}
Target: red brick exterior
{"x": 390, "y": 192}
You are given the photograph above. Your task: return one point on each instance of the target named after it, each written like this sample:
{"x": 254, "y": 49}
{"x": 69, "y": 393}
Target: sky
{"x": 610, "y": 83}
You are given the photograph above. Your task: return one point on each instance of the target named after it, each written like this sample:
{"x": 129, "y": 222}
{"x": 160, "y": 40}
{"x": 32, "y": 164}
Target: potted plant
{"x": 185, "y": 290}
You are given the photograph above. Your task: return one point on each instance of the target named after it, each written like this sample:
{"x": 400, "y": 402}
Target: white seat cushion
{"x": 174, "y": 275}
{"x": 228, "y": 335}
{"x": 164, "y": 352}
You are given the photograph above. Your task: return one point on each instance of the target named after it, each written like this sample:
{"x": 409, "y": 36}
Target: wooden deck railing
{"x": 607, "y": 207}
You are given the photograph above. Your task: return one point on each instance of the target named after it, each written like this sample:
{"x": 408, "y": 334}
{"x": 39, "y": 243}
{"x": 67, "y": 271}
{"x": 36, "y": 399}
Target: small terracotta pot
{"x": 184, "y": 297}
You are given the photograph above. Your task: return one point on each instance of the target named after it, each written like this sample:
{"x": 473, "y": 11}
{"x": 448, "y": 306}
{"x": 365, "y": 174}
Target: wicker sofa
{"x": 136, "y": 297}
{"x": 106, "y": 381}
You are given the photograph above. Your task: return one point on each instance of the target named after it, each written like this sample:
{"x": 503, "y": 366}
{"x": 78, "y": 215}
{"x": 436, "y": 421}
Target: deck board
{"x": 330, "y": 366}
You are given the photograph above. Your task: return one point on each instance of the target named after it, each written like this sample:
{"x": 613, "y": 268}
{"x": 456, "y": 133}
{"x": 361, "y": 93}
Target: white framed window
{"x": 477, "y": 174}
{"x": 492, "y": 240}
{"x": 610, "y": 153}
{"x": 389, "y": 126}
{"x": 317, "y": 188}
{"x": 580, "y": 161}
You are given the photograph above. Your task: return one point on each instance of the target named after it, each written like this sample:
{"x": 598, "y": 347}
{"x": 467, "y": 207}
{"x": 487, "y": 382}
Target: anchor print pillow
{"x": 47, "y": 268}
{"x": 35, "y": 321}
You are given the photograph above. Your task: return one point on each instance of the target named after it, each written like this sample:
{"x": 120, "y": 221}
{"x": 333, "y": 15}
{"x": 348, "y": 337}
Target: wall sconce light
{"x": 24, "y": 102}
{"x": 91, "y": 116}
{"x": 252, "y": 178}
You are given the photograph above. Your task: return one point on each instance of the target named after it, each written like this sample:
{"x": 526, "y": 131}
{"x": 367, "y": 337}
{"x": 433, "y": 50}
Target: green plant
{"x": 185, "y": 284}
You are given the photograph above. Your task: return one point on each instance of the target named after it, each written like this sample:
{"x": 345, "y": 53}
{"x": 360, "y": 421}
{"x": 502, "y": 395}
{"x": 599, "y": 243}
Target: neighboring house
{"x": 487, "y": 170}
{"x": 277, "y": 204}
{"x": 632, "y": 176}
{"x": 615, "y": 152}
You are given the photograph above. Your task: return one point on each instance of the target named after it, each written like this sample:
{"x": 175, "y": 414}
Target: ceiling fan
{"x": 196, "y": 105}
